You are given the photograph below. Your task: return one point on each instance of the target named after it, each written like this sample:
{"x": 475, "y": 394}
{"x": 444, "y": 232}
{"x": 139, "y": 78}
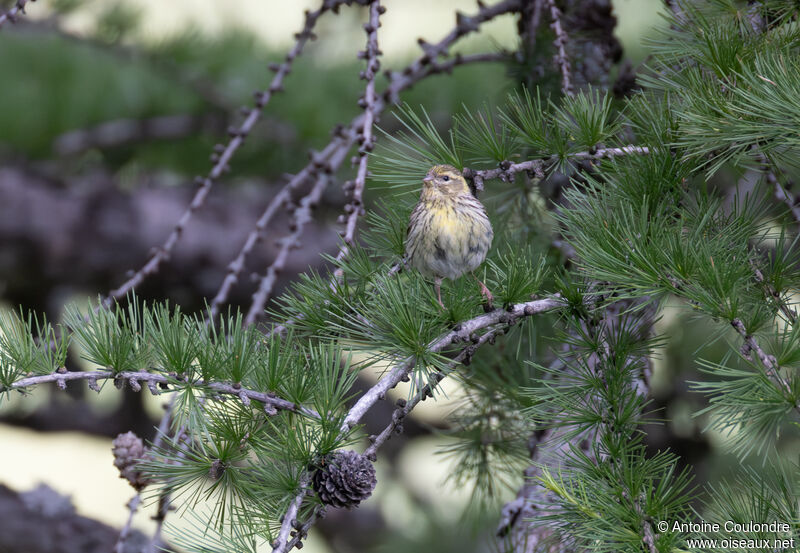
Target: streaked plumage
{"x": 449, "y": 233}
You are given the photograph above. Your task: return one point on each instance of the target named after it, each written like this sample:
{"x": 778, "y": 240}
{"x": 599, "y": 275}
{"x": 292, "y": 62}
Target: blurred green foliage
{"x": 63, "y": 83}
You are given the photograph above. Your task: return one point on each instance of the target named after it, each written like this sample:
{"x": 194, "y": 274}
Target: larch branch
{"x": 561, "y": 53}
{"x": 342, "y": 142}
{"x": 425, "y": 65}
{"x": 223, "y": 154}
{"x": 461, "y": 333}
{"x": 770, "y": 364}
{"x": 464, "y": 332}
{"x": 404, "y": 407}
{"x": 366, "y": 137}
{"x": 507, "y": 170}
{"x": 154, "y": 380}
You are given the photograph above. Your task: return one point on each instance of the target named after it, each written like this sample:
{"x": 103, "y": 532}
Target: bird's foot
{"x": 488, "y": 306}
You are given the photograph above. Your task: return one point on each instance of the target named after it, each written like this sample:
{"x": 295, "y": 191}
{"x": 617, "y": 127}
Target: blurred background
{"x": 108, "y": 109}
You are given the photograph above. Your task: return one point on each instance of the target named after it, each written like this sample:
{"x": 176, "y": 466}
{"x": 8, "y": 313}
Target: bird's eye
{"x": 445, "y": 178}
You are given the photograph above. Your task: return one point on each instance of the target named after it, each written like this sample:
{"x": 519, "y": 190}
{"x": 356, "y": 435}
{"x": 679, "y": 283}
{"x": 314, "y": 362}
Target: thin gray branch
{"x": 133, "y": 506}
{"x": 154, "y": 380}
{"x": 225, "y": 153}
{"x": 300, "y": 217}
{"x": 781, "y": 190}
{"x": 366, "y": 135}
{"x": 404, "y": 407}
{"x": 281, "y": 543}
{"x": 769, "y": 362}
{"x": 508, "y": 170}
{"x": 12, "y": 14}
{"x": 560, "y": 42}
{"x": 341, "y": 143}
{"x": 461, "y": 333}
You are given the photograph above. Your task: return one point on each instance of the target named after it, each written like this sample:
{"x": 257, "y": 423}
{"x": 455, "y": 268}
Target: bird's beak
{"x": 428, "y": 179}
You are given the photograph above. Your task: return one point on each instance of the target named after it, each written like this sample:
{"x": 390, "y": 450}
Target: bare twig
{"x": 342, "y": 142}
{"x": 155, "y": 380}
{"x": 560, "y": 42}
{"x": 781, "y": 190}
{"x": 427, "y": 64}
{"x": 424, "y": 66}
{"x": 223, "y": 154}
{"x": 301, "y": 530}
{"x": 771, "y": 292}
{"x": 16, "y": 10}
{"x": 366, "y": 136}
{"x": 300, "y": 217}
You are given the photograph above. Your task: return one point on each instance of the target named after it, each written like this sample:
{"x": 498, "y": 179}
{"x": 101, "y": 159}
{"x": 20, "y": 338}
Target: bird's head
{"x": 445, "y": 179}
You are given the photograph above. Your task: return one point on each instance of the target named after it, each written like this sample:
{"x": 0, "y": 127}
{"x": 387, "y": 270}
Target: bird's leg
{"x": 437, "y": 283}
{"x": 484, "y": 291}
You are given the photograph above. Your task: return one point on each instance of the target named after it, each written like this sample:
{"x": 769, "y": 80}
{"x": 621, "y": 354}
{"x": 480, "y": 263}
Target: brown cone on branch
{"x": 345, "y": 479}
{"x": 128, "y": 450}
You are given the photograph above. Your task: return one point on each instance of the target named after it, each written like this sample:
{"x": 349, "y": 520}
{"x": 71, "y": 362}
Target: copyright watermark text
{"x": 773, "y": 534}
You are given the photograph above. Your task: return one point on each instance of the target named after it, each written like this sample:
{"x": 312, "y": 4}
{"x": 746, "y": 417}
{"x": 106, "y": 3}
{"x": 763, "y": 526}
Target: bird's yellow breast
{"x": 448, "y": 239}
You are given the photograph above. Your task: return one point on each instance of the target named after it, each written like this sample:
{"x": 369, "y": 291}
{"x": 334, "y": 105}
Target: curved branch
{"x": 341, "y": 143}
{"x": 768, "y": 362}
{"x": 464, "y": 332}
{"x": 303, "y": 213}
{"x": 461, "y": 333}
{"x": 404, "y": 407}
{"x": 300, "y": 217}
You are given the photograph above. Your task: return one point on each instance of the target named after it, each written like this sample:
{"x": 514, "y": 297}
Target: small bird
{"x": 449, "y": 233}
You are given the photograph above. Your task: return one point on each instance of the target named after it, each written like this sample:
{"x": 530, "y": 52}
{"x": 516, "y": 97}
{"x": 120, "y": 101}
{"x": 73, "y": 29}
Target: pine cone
{"x": 345, "y": 479}
{"x": 128, "y": 449}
